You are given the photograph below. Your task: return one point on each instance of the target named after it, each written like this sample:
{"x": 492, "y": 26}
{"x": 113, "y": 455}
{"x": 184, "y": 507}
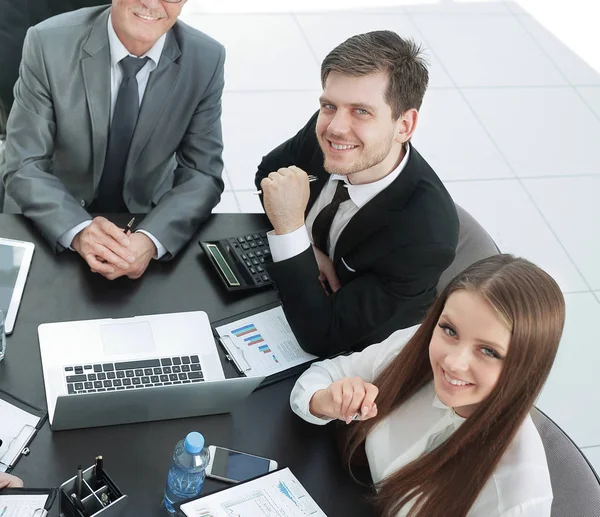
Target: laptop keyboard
{"x": 129, "y": 375}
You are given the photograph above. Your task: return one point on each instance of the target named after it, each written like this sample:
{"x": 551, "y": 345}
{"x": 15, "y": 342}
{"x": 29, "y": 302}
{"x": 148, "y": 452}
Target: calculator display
{"x": 222, "y": 263}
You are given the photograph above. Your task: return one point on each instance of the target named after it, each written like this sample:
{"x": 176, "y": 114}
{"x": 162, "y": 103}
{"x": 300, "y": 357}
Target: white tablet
{"x": 15, "y": 259}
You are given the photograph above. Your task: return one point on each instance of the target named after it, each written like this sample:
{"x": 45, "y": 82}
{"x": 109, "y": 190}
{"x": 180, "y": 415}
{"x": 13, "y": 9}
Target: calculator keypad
{"x": 253, "y": 253}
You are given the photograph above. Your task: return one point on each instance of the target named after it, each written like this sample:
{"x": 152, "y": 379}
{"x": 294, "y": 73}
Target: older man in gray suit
{"x": 116, "y": 109}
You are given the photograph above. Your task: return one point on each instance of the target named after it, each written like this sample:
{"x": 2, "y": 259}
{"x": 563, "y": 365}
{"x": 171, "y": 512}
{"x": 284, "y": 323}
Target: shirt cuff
{"x": 66, "y": 239}
{"x": 300, "y": 402}
{"x": 288, "y": 245}
{"x": 160, "y": 249}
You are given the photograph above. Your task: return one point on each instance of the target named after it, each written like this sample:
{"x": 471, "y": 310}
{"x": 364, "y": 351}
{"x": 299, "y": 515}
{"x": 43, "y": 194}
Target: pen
{"x": 4, "y": 511}
{"x": 79, "y": 481}
{"x": 98, "y": 469}
{"x": 311, "y": 178}
{"x": 79, "y": 505}
{"x": 129, "y": 225}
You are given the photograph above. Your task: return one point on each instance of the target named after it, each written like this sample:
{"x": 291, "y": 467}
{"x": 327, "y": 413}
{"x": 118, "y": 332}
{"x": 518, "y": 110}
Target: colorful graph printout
{"x": 278, "y": 494}
{"x": 263, "y": 344}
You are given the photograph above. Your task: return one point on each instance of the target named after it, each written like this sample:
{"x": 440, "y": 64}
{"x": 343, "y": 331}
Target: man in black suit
{"x": 382, "y": 226}
{"x": 17, "y": 16}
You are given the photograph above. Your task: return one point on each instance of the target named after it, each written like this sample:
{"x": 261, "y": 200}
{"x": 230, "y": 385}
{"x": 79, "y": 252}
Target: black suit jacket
{"x": 397, "y": 245}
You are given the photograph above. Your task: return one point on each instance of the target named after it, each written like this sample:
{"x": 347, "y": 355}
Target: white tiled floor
{"x": 511, "y": 123}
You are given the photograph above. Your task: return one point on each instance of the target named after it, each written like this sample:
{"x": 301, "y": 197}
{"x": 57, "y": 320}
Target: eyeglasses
{"x": 172, "y": 1}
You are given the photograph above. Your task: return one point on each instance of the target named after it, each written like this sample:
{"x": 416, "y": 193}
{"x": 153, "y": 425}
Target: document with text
{"x": 17, "y": 427}
{"x": 278, "y": 494}
{"x": 26, "y": 505}
{"x": 263, "y": 344}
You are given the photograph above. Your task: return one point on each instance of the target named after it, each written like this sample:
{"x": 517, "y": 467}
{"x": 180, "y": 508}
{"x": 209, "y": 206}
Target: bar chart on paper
{"x": 252, "y": 337}
{"x": 265, "y": 342}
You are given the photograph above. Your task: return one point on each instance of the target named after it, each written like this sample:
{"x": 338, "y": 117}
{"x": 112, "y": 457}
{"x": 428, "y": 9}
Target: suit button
{"x": 82, "y": 202}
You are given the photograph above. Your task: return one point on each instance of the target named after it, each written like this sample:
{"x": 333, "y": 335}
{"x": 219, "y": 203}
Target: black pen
{"x": 129, "y": 225}
{"x": 79, "y": 505}
{"x": 79, "y": 481}
{"x": 98, "y": 469}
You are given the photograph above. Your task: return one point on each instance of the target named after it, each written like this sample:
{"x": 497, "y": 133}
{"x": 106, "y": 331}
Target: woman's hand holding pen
{"x": 348, "y": 399}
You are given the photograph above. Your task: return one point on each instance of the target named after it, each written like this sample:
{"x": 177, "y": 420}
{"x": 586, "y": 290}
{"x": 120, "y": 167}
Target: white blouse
{"x": 520, "y": 485}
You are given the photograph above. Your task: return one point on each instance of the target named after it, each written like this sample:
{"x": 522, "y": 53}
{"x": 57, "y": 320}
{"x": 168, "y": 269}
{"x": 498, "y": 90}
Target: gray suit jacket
{"x": 58, "y": 130}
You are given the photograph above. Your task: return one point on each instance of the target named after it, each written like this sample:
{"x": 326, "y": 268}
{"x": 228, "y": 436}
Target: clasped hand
{"x": 344, "y": 399}
{"x": 285, "y": 196}
{"x": 112, "y": 253}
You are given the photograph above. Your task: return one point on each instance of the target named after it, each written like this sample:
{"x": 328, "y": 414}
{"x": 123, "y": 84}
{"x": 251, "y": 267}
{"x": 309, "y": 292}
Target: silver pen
{"x": 311, "y": 178}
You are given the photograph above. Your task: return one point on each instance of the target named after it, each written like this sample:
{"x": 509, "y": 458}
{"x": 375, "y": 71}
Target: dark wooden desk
{"x": 137, "y": 456}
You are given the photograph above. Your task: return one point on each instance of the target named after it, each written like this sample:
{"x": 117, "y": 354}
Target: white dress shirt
{"x": 117, "y": 53}
{"x": 520, "y": 485}
{"x": 289, "y": 245}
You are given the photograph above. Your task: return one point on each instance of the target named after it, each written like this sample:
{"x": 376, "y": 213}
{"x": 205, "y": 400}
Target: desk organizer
{"x": 91, "y": 497}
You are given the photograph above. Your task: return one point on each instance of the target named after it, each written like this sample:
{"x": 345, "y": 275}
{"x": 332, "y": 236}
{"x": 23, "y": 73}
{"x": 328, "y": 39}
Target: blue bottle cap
{"x": 194, "y": 443}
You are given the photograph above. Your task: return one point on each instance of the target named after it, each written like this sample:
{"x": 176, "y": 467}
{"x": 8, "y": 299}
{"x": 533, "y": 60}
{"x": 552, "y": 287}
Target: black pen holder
{"x": 100, "y": 498}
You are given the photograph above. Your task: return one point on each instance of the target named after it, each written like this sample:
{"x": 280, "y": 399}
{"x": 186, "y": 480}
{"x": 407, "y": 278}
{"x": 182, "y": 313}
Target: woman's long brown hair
{"x": 448, "y": 479}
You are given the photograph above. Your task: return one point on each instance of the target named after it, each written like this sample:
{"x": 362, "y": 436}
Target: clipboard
{"x": 50, "y": 492}
{"x": 242, "y": 368}
{"x": 7, "y": 464}
{"x": 276, "y": 473}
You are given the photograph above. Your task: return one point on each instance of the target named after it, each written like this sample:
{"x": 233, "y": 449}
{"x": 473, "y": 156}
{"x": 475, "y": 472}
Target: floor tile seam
{"x": 519, "y": 18}
{"x": 430, "y": 48}
{"x": 313, "y": 51}
{"x": 537, "y": 208}
{"x": 561, "y": 244}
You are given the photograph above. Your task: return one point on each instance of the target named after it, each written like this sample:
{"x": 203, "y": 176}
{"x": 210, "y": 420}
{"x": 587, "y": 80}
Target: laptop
{"x": 140, "y": 369}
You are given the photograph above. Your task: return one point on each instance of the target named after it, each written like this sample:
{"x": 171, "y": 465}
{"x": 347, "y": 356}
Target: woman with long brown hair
{"x": 442, "y": 410}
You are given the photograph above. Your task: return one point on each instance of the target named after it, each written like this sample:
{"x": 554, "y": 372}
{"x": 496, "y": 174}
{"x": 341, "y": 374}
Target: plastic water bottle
{"x": 2, "y": 337}
{"x": 187, "y": 472}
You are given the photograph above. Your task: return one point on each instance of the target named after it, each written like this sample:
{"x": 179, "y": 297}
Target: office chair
{"x": 1, "y": 173}
{"x": 474, "y": 243}
{"x": 575, "y": 484}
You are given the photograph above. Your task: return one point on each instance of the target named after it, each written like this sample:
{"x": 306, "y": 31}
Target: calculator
{"x": 241, "y": 261}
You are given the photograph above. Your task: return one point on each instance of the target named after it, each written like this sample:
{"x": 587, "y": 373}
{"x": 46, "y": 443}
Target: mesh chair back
{"x": 575, "y": 485}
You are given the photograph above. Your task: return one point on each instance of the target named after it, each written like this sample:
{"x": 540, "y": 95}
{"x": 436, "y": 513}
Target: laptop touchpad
{"x": 127, "y": 338}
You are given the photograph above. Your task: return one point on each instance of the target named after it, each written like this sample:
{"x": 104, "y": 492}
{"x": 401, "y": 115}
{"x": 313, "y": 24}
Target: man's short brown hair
{"x": 383, "y": 51}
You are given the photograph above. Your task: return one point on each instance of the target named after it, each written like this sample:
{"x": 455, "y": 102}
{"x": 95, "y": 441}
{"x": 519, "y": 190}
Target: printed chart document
{"x": 26, "y": 505}
{"x": 263, "y": 344}
{"x": 278, "y": 494}
{"x": 16, "y": 429}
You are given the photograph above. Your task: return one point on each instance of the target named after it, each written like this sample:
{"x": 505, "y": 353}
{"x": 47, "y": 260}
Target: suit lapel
{"x": 374, "y": 214}
{"x": 161, "y": 85}
{"x": 95, "y": 66}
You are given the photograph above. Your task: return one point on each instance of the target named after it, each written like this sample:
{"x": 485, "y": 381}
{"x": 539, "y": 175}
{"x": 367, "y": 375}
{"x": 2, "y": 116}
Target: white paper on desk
{"x": 278, "y": 494}
{"x": 26, "y": 505}
{"x": 16, "y": 429}
{"x": 263, "y": 344}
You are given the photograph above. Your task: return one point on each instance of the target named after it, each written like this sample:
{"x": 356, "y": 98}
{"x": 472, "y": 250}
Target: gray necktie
{"x": 110, "y": 190}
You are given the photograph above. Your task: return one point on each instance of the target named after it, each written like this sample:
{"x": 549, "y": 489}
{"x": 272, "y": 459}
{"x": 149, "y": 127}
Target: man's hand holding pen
{"x": 285, "y": 197}
{"x": 104, "y": 247}
{"x": 113, "y": 251}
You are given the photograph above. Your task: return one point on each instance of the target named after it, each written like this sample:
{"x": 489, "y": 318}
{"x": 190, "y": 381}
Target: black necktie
{"x": 110, "y": 190}
{"x": 322, "y": 223}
